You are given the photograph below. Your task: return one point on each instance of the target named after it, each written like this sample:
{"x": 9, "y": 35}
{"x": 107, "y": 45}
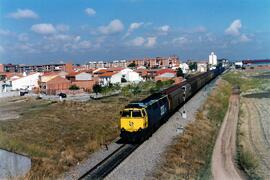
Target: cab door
{"x": 144, "y": 113}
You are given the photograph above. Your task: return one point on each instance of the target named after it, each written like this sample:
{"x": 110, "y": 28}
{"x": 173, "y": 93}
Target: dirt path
{"x": 223, "y": 165}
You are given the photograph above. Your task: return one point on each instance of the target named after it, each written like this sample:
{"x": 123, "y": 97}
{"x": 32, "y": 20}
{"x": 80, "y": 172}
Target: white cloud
{"x": 90, "y": 11}
{"x": 138, "y": 41}
{"x": 2, "y": 50}
{"x": 135, "y": 25}
{"x": 132, "y": 27}
{"x": 181, "y": 40}
{"x": 77, "y": 38}
{"x": 4, "y": 32}
{"x": 43, "y": 28}
{"x": 23, "y": 37}
{"x": 244, "y": 38}
{"x": 23, "y": 14}
{"x": 234, "y": 28}
{"x": 151, "y": 42}
{"x": 85, "y": 44}
{"x": 200, "y": 29}
{"x": 164, "y": 28}
{"x": 62, "y": 27}
{"x": 114, "y": 26}
{"x": 27, "y": 48}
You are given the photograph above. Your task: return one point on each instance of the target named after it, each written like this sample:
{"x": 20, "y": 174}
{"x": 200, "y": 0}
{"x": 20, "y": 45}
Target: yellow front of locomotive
{"x": 133, "y": 119}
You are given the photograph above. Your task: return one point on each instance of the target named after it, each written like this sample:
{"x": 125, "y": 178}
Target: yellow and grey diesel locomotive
{"x": 140, "y": 119}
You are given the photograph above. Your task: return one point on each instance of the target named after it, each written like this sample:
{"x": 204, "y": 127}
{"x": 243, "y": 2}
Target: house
{"x": 165, "y": 76}
{"x": 184, "y": 67}
{"x": 5, "y": 86}
{"x": 125, "y": 75}
{"x": 53, "y": 84}
{"x": 79, "y": 76}
{"x": 143, "y": 73}
{"x": 27, "y": 82}
{"x": 110, "y": 77}
{"x": 83, "y": 80}
{"x": 202, "y": 66}
{"x": 133, "y": 77}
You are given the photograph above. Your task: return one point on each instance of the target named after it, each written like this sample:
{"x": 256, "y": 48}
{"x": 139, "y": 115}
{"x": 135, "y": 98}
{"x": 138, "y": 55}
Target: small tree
{"x": 132, "y": 65}
{"x": 105, "y": 90}
{"x": 73, "y": 87}
{"x": 179, "y": 73}
{"x": 193, "y": 65}
{"x": 136, "y": 90}
{"x": 159, "y": 84}
{"x": 97, "y": 88}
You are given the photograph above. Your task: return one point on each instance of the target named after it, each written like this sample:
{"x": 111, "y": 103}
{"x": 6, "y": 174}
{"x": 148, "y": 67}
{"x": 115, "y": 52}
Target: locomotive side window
{"x": 143, "y": 113}
{"x": 126, "y": 113}
{"x": 136, "y": 113}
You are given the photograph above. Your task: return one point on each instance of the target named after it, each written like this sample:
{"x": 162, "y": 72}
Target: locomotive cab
{"x": 133, "y": 119}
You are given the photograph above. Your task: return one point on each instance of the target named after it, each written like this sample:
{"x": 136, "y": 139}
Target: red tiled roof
{"x": 73, "y": 73}
{"x": 107, "y": 74}
{"x": 115, "y": 69}
{"x": 162, "y": 71}
{"x": 10, "y": 74}
{"x": 100, "y": 71}
{"x": 49, "y": 73}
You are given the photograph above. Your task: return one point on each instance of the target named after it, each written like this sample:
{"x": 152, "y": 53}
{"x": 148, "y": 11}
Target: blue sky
{"x": 42, "y": 31}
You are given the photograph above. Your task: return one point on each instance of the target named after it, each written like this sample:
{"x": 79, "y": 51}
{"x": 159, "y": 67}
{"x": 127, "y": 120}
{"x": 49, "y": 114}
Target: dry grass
{"x": 189, "y": 157}
{"x": 58, "y": 135}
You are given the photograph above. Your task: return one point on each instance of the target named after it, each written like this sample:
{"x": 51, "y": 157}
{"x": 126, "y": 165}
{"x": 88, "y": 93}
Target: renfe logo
{"x": 131, "y": 123}
{"x": 162, "y": 110}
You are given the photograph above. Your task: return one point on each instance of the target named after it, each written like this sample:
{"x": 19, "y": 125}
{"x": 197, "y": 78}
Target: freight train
{"x": 141, "y": 119}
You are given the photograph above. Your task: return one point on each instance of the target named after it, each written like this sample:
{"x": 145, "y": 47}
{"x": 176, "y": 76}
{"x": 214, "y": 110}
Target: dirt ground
{"x": 255, "y": 130}
{"x": 223, "y": 158}
{"x": 57, "y": 135}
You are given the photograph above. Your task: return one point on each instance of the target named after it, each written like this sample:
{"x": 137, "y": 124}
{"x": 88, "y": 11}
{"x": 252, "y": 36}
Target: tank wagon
{"x": 141, "y": 119}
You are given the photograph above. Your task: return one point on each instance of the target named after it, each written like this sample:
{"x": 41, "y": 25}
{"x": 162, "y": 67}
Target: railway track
{"x": 252, "y": 141}
{"x": 103, "y": 168}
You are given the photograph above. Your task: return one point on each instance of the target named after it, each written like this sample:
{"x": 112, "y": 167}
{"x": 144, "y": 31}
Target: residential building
{"x": 202, "y": 66}
{"x": 16, "y": 68}
{"x": 165, "y": 76}
{"x": 82, "y": 79}
{"x": 53, "y": 83}
{"x": 109, "y": 77}
{"x": 79, "y": 76}
{"x": 27, "y": 82}
{"x": 184, "y": 67}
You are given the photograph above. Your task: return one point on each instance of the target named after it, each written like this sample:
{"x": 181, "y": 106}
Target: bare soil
{"x": 223, "y": 158}
{"x": 57, "y": 135}
{"x": 255, "y": 131}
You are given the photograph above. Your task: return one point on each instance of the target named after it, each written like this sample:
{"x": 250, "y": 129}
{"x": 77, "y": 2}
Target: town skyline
{"x": 38, "y": 33}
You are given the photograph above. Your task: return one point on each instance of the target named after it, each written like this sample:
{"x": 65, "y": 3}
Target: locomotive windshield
{"x": 132, "y": 113}
{"x": 136, "y": 113}
{"x": 126, "y": 113}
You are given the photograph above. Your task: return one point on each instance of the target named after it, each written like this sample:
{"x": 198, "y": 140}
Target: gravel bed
{"x": 143, "y": 161}
{"x": 89, "y": 163}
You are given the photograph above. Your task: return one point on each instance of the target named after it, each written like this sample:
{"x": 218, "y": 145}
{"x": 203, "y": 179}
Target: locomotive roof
{"x": 146, "y": 102}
